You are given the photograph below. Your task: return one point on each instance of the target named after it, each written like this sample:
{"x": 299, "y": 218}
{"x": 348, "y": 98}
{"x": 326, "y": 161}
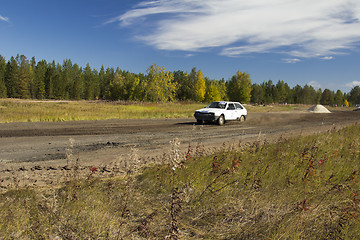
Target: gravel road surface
{"x": 93, "y": 143}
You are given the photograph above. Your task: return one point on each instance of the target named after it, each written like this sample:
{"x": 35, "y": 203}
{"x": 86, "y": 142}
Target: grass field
{"x": 300, "y": 188}
{"x": 12, "y": 110}
{"x": 16, "y": 110}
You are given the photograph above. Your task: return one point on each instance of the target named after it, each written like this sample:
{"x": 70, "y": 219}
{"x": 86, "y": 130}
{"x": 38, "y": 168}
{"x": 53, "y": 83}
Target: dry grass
{"x": 16, "y": 110}
{"x": 13, "y": 110}
{"x": 302, "y": 188}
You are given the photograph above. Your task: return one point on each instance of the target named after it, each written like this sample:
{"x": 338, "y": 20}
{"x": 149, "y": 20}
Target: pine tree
{"x": 89, "y": 83}
{"x": 309, "y": 95}
{"x": 102, "y": 82}
{"x": 67, "y": 77}
{"x": 11, "y": 76}
{"x": 298, "y": 94}
{"x": 327, "y": 97}
{"x": 354, "y": 95}
{"x": 185, "y": 89}
{"x": 3, "y": 92}
{"x": 77, "y": 89}
{"x": 25, "y": 77}
{"x": 318, "y": 96}
{"x": 49, "y": 76}
{"x": 257, "y": 94}
{"x": 96, "y": 84}
{"x": 117, "y": 85}
{"x": 282, "y": 92}
{"x": 269, "y": 92}
{"x": 38, "y": 89}
{"x": 339, "y": 98}
{"x": 58, "y": 85}
{"x": 109, "y": 79}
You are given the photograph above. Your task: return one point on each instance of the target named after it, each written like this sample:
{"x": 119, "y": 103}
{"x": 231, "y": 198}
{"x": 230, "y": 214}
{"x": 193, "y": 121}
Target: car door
{"x": 230, "y": 112}
{"x": 239, "y": 110}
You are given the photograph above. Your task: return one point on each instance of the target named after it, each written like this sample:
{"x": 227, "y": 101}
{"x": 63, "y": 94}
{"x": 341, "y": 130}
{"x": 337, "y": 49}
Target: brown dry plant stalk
{"x": 256, "y": 191}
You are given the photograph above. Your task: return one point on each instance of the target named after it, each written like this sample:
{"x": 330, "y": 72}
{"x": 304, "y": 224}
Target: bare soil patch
{"x": 47, "y": 153}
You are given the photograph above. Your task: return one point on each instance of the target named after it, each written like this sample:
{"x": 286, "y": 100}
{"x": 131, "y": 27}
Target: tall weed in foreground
{"x": 302, "y": 188}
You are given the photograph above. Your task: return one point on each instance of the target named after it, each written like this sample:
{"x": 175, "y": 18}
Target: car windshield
{"x": 217, "y": 105}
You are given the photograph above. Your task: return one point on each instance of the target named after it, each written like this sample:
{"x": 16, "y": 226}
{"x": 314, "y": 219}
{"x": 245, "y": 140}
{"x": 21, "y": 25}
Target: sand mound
{"x": 318, "y": 109}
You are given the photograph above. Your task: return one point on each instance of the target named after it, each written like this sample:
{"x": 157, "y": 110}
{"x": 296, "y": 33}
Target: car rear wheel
{"x": 199, "y": 121}
{"x": 221, "y": 120}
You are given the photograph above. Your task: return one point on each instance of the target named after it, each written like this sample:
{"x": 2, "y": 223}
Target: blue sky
{"x": 298, "y": 41}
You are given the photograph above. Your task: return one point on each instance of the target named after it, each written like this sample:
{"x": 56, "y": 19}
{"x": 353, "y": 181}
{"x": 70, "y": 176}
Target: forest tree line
{"x": 28, "y": 79}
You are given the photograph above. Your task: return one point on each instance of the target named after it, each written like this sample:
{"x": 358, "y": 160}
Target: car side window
{"x": 238, "y": 106}
{"x": 231, "y": 107}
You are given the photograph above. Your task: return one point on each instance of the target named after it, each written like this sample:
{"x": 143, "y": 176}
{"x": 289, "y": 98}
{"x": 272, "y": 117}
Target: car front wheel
{"x": 242, "y": 118}
{"x": 199, "y": 121}
{"x": 221, "y": 120}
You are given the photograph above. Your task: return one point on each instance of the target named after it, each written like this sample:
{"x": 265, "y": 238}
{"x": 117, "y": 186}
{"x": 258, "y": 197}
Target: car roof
{"x": 226, "y": 102}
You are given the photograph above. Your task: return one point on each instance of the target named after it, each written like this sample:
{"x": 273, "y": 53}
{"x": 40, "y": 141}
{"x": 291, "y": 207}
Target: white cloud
{"x": 301, "y": 28}
{"x": 353, "y": 84}
{"x": 314, "y": 84}
{"x": 5, "y": 19}
{"x": 327, "y": 58}
{"x": 291, "y": 60}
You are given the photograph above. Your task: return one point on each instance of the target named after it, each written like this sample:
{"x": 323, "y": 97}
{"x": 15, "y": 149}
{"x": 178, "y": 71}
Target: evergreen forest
{"x": 25, "y": 78}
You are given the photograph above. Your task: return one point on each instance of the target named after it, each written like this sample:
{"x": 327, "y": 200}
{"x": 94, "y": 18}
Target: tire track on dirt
{"x": 37, "y": 152}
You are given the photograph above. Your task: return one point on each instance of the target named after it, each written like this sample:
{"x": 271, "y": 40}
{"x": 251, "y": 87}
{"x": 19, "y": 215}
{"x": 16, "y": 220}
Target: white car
{"x": 221, "y": 112}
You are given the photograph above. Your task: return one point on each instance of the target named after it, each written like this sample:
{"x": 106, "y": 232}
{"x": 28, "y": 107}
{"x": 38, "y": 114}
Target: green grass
{"x": 301, "y": 188}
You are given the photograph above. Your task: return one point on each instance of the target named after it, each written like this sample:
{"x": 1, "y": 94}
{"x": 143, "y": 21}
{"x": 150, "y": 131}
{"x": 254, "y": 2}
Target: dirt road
{"x": 33, "y": 147}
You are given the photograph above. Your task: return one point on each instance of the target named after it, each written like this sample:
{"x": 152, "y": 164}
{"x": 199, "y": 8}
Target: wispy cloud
{"x": 5, "y": 19}
{"x": 301, "y": 29}
{"x": 353, "y": 84}
{"x": 291, "y": 60}
{"x": 327, "y": 58}
{"x": 314, "y": 84}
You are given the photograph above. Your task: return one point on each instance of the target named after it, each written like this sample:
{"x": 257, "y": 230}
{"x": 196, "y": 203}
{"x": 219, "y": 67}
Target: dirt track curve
{"x": 94, "y": 143}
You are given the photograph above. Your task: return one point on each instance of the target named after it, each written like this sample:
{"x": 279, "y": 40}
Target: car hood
{"x": 210, "y": 110}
